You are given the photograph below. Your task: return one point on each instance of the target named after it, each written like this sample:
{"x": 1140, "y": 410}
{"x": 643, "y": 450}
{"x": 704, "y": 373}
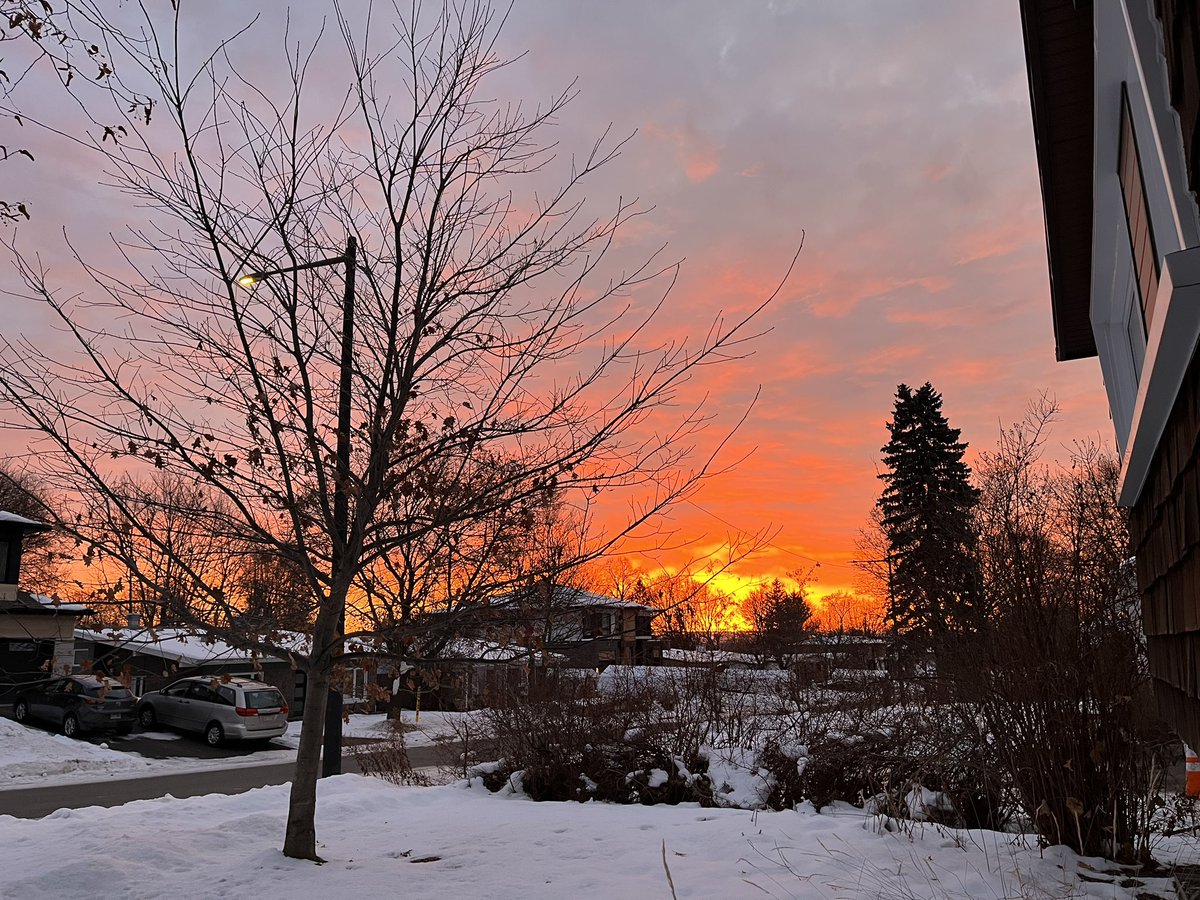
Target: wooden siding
{"x": 1165, "y": 529}
{"x": 1165, "y": 523}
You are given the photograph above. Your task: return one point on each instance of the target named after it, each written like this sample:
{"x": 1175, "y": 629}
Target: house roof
{"x": 1059, "y": 57}
{"x": 39, "y": 604}
{"x": 490, "y": 651}
{"x": 708, "y": 657}
{"x": 576, "y": 597}
{"x": 10, "y": 518}
{"x": 177, "y": 644}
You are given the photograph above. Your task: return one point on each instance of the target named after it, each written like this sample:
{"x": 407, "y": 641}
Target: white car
{"x": 220, "y": 708}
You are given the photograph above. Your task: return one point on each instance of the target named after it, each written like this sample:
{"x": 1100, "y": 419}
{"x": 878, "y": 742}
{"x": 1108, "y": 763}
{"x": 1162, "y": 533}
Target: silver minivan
{"x": 221, "y": 708}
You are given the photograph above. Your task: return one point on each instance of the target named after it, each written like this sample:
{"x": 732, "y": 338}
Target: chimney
{"x": 133, "y": 621}
{"x": 12, "y": 531}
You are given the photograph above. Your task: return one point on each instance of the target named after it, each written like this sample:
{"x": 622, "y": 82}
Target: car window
{"x": 52, "y": 687}
{"x": 228, "y": 695}
{"x": 70, "y": 687}
{"x": 204, "y": 693}
{"x": 263, "y": 699}
{"x": 111, "y": 692}
{"x": 178, "y": 689}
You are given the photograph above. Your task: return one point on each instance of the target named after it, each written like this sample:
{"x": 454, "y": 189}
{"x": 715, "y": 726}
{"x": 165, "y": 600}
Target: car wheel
{"x": 21, "y": 711}
{"x": 71, "y": 726}
{"x": 214, "y": 734}
{"x": 146, "y": 717}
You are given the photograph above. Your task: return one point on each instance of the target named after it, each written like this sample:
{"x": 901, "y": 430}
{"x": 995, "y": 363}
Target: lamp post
{"x": 331, "y": 760}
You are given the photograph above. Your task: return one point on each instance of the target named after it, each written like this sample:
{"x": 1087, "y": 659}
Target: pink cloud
{"x": 698, "y": 156}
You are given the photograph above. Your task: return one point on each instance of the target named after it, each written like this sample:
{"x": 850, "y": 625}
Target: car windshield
{"x": 263, "y": 699}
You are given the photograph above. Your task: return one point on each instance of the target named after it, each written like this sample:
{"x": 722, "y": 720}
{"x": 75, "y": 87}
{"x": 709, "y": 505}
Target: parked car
{"x": 219, "y": 708}
{"x": 78, "y": 703}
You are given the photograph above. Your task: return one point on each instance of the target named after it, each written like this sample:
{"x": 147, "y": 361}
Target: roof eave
{"x": 1060, "y": 60}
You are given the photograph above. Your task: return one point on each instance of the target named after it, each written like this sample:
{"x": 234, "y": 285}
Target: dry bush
{"x": 388, "y": 759}
{"x": 864, "y": 746}
{"x": 1057, "y": 678}
{"x": 468, "y": 744}
{"x": 570, "y": 741}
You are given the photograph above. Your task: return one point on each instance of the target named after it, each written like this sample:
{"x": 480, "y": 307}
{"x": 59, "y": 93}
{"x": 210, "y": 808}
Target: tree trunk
{"x": 300, "y": 840}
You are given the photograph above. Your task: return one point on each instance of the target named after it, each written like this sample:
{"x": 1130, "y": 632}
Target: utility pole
{"x": 331, "y": 761}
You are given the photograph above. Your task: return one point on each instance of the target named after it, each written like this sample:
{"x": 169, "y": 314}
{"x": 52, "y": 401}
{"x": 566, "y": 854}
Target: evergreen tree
{"x": 780, "y": 620}
{"x": 926, "y": 509}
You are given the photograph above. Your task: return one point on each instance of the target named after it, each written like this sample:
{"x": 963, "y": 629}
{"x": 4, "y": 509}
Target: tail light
{"x": 283, "y": 710}
{"x": 245, "y": 711}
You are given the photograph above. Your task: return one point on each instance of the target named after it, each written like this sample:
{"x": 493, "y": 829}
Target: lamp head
{"x": 248, "y": 280}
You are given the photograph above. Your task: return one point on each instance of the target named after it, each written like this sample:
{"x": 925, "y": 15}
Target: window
{"x": 355, "y": 685}
{"x": 109, "y": 691}
{"x": 1137, "y": 215}
{"x": 203, "y": 693}
{"x": 267, "y": 699}
{"x": 599, "y": 624}
{"x": 4, "y": 563}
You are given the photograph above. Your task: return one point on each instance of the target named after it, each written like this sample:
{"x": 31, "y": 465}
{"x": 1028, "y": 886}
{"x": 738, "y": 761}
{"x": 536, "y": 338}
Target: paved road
{"x": 33, "y": 803}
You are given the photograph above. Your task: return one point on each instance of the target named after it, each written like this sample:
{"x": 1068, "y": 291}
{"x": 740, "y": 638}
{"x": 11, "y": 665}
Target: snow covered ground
{"x": 454, "y": 841}
{"x": 431, "y": 727}
{"x": 461, "y": 841}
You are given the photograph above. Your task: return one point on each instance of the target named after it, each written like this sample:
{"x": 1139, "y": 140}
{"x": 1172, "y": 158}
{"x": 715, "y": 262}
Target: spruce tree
{"x": 926, "y": 516}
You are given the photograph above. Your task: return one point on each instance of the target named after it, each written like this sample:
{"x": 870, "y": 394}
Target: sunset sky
{"x": 893, "y": 136}
{"x": 896, "y": 136}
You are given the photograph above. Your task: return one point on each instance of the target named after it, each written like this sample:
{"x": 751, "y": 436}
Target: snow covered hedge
{"x": 675, "y": 735}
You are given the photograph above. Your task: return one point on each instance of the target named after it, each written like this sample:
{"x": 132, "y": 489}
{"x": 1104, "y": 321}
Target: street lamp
{"x": 331, "y": 762}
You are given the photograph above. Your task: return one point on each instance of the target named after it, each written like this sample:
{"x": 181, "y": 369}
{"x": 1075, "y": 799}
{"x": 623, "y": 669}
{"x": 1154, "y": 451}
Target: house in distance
{"x": 37, "y": 633}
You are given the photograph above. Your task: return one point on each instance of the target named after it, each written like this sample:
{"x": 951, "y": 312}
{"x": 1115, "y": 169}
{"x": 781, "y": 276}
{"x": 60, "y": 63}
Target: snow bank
{"x": 455, "y": 842}
{"x": 29, "y": 755}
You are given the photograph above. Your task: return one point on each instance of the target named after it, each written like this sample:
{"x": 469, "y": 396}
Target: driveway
{"x": 163, "y": 743}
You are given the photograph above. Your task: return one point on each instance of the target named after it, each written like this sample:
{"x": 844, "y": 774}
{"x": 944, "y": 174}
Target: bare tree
{"x": 69, "y": 41}
{"x": 151, "y": 582}
{"x": 873, "y": 563}
{"x": 492, "y": 361}
{"x": 844, "y": 612}
{"x": 695, "y": 612}
{"x": 1058, "y": 680}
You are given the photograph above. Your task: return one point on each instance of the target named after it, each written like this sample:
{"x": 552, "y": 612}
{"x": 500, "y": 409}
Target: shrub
{"x": 388, "y": 759}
